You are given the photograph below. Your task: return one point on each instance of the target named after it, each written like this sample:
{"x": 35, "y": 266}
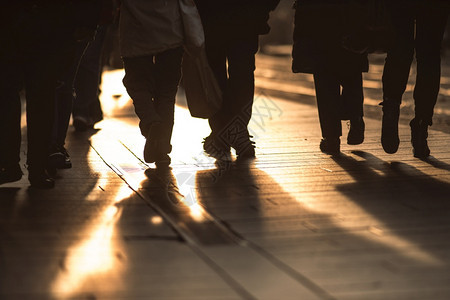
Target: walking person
{"x": 320, "y": 27}
{"x": 418, "y": 26}
{"x": 231, "y": 38}
{"x": 151, "y": 39}
{"x": 72, "y": 46}
{"x": 29, "y": 57}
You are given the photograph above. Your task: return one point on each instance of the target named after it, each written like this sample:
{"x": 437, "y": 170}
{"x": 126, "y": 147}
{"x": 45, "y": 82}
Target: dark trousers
{"x": 427, "y": 20}
{"x": 237, "y": 81}
{"x": 152, "y": 82}
{"x": 335, "y": 90}
{"x": 71, "y": 54}
{"x": 29, "y": 60}
{"x": 88, "y": 79}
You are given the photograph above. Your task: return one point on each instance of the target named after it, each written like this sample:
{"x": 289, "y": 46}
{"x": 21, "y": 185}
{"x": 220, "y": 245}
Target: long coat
{"x": 149, "y": 27}
{"x": 320, "y": 26}
{"x": 236, "y": 17}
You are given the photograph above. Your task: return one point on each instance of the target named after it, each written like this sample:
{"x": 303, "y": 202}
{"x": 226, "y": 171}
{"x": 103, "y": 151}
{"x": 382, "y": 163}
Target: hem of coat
{"x": 151, "y": 52}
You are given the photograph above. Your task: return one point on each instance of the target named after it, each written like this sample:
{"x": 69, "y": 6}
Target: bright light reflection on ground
{"x": 187, "y": 151}
{"x": 95, "y": 255}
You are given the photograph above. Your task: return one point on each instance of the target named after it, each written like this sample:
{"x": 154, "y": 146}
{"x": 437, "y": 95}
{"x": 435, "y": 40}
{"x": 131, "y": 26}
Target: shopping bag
{"x": 203, "y": 93}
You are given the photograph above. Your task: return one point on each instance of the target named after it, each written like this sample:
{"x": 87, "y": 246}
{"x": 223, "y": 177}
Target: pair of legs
{"x": 336, "y": 89}
{"x": 87, "y": 108}
{"x": 152, "y": 82}
{"x": 29, "y": 62}
{"x": 420, "y": 28}
{"x": 232, "y": 60}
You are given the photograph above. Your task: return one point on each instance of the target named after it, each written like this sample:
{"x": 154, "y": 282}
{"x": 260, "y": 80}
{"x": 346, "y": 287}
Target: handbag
{"x": 203, "y": 93}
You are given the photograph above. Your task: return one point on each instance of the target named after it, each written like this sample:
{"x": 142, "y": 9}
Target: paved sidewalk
{"x": 292, "y": 224}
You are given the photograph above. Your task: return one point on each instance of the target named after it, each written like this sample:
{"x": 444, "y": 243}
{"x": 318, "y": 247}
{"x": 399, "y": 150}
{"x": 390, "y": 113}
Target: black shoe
{"x": 59, "y": 159}
{"x": 245, "y": 148}
{"x": 163, "y": 161}
{"x": 10, "y": 174}
{"x": 419, "y": 135}
{"x": 40, "y": 179}
{"x": 389, "y": 130}
{"x": 152, "y": 143}
{"x": 216, "y": 148}
{"x": 156, "y": 149}
{"x": 330, "y": 145}
{"x": 82, "y": 123}
{"x": 356, "y": 133}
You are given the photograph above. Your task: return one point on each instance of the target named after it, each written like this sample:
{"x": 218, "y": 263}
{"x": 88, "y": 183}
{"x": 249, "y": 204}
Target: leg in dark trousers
{"x": 233, "y": 63}
{"x": 419, "y": 27}
{"x": 87, "y": 108}
{"x": 430, "y": 27}
{"x": 152, "y": 83}
{"x": 328, "y": 90}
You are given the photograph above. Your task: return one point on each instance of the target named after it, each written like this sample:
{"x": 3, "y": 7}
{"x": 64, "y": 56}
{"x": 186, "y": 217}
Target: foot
{"x": 10, "y": 174}
{"x": 163, "y": 161}
{"x": 330, "y": 146}
{"x": 216, "y": 148}
{"x": 40, "y": 179}
{"x": 152, "y": 143}
{"x": 82, "y": 123}
{"x": 356, "y": 133}
{"x": 59, "y": 158}
{"x": 419, "y": 135}
{"x": 389, "y": 130}
{"x": 245, "y": 147}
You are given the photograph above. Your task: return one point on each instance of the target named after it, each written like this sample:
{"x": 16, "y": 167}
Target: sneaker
{"x": 419, "y": 135}
{"x": 59, "y": 159}
{"x": 215, "y": 148}
{"x": 40, "y": 179}
{"x": 82, "y": 123}
{"x": 330, "y": 146}
{"x": 356, "y": 133}
{"x": 10, "y": 174}
{"x": 389, "y": 128}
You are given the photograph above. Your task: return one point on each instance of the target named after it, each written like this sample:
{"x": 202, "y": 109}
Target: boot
{"x": 330, "y": 146}
{"x": 419, "y": 135}
{"x": 389, "y": 130}
{"x": 356, "y": 133}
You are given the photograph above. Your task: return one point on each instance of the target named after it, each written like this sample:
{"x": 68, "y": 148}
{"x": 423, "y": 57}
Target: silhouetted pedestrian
{"x": 151, "y": 39}
{"x": 31, "y": 35}
{"x": 320, "y": 26}
{"x": 72, "y": 46}
{"x": 87, "y": 110}
{"x": 231, "y": 30}
{"x": 418, "y": 25}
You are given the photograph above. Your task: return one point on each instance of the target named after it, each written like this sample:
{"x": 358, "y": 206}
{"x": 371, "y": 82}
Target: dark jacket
{"x": 236, "y": 17}
{"x": 320, "y": 26}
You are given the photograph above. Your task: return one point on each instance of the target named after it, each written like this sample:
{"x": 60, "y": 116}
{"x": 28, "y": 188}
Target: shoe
{"x": 356, "y": 133}
{"x": 163, "y": 161}
{"x": 40, "y": 179}
{"x": 419, "y": 135}
{"x": 10, "y": 174}
{"x": 155, "y": 149}
{"x": 82, "y": 123}
{"x": 244, "y": 146}
{"x": 330, "y": 145}
{"x": 389, "y": 128}
{"x": 216, "y": 148}
{"x": 59, "y": 159}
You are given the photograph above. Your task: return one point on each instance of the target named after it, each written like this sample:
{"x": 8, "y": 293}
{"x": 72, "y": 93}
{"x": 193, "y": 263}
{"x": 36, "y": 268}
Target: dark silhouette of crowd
{"x": 51, "y": 50}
